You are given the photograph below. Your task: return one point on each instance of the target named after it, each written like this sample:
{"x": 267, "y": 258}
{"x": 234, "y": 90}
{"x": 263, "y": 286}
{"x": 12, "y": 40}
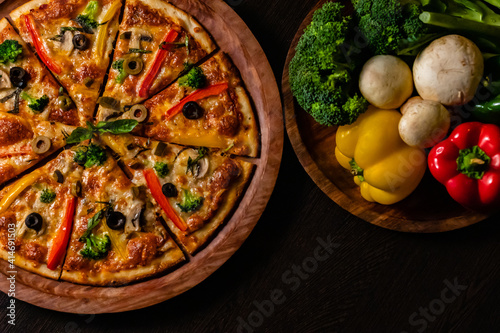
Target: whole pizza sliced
{"x": 196, "y": 188}
{"x": 36, "y": 216}
{"x": 117, "y": 235}
{"x": 73, "y": 39}
{"x": 157, "y": 41}
{"x": 209, "y": 106}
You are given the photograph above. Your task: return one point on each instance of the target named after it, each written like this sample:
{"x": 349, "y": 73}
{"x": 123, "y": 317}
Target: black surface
{"x": 374, "y": 280}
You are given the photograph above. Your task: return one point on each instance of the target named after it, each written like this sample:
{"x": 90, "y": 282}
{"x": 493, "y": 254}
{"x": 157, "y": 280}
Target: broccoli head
{"x": 390, "y": 25}
{"x": 35, "y": 104}
{"x": 9, "y": 51}
{"x": 194, "y": 78}
{"x": 90, "y": 155}
{"x": 122, "y": 75}
{"x": 87, "y": 18}
{"x": 190, "y": 202}
{"x": 324, "y": 71}
{"x": 47, "y": 196}
{"x": 96, "y": 247}
{"x": 161, "y": 169}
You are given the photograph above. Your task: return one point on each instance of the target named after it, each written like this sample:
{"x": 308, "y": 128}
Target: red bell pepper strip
{"x": 468, "y": 164}
{"x": 212, "y": 90}
{"x": 157, "y": 62}
{"x": 61, "y": 239}
{"x": 40, "y": 48}
{"x": 156, "y": 192}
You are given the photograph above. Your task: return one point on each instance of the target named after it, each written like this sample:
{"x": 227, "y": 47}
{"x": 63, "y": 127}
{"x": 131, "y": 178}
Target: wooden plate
{"x": 233, "y": 36}
{"x": 428, "y": 209}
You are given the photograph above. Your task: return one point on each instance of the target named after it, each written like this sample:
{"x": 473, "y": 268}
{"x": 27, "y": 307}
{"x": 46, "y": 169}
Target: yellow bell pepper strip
{"x": 155, "y": 188}
{"x": 17, "y": 188}
{"x": 212, "y": 90}
{"x": 386, "y": 169}
{"x": 60, "y": 242}
{"x": 39, "y": 47}
{"x": 103, "y": 29}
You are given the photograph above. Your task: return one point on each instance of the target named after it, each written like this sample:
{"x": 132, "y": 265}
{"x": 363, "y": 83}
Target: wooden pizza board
{"x": 234, "y": 37}
{"x": 428, "y": 209}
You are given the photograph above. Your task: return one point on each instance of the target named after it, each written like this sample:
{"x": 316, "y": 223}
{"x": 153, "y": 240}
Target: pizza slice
{"x": 24, "y": 142}
{"x": 209, "y": 106}
{"x": 27, "y": 89}
{"x": 117, "y": 236}
{"x": 74, "y": 40}
{"x": 196, "y": 188}
{"x": 157, "y": 41}
{"x": 36, "y": 216}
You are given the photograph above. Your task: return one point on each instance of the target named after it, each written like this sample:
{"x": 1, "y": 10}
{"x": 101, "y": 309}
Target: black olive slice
{"x": 116, "y": 220}
{"x": 34, "y": 221}
{"x": 19, "y": 77}
{"x": 169, "y": 190}
{"x": 81, "y": 42}
{"x": 58, "y": 176}
{"x": 41, "y": 144}
{"x": 192, "y": 110}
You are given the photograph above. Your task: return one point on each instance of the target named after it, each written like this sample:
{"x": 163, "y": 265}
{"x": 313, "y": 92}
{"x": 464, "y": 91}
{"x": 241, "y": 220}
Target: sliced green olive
{"x": 81, "y": 42}
{"x": 34, "y": 221}
{"x": 109, "y": 102}
{"x": 64, "y": 102}
{"x": 138, "y": 112}
{"x": 41, "y": 144}
{"x": 58, "y": 176}
{"x": 133, "y": 65}
{"x": 160, "y": 149}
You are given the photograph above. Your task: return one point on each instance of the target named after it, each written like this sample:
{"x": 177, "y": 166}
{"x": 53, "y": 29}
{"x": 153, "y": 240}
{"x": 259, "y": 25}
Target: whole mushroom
{"x": 449, "y": 70}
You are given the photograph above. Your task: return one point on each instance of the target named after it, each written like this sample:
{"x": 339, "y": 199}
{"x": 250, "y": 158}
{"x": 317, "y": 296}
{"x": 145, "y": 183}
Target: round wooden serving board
{"x": 428, "y": 209}
{"x": 234, "y": 37}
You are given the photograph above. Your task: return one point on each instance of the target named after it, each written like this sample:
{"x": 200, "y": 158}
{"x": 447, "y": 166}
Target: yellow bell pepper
{"x": 17, "y": 188}
{"x": 385, "y": 168}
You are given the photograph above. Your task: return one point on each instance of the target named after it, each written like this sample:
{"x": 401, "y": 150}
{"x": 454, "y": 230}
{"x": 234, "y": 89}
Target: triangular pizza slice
{"x": 36, "y": 216}
{"x": 157, "y": 41}
{"x": 117, "y": 236}
{"x": 74, "y": 40}
{"x": 196, "y": 188}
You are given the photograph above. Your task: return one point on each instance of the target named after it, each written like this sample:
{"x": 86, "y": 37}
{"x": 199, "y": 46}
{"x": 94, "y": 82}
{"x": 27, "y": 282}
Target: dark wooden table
{"x": 309, "y": 266}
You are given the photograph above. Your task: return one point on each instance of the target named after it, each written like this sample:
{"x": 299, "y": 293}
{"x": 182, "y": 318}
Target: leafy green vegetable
{"x": 120, "y": 126}
{"x": 9, "y": 51}
{"x": 194, "y": 78}
{"x": 192, "y": 164}
{"x": 93, "y": 222}
{"x": 324, "y": 71}
{"x": 96, "y": 247}
{"x": 138, "y": 51}
{"x": 47, "y": 196}
{"x": 122, "y": 75}
{"x": 35, "y": 104}
{"x": 88, "y": 156}
{"x": 87, "y": 19}
{"x": 161, "y": 169}
{"x": 190, "y": 202}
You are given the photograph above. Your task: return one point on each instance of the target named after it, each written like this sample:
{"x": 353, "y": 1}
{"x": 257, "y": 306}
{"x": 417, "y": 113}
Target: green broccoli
{"x": 47, "y": 196}
{"x": 190, "y": 202}
{"x": 90, "y": 155}
{"x": 122, "y": 75}
{"x": 161, "y": 169}
{"x": 96, "y": 247}
{"x": 9, "y": 51}
{"x": 324, "y": 70}
{"x": 87, "y": 18}
{"x": 194, "y": 78}
{"x": 35, "y": 104}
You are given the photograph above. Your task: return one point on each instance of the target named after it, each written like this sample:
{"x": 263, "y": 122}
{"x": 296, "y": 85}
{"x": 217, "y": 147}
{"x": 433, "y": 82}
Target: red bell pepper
{"x": 468, "y": 164}
{"x": 60, "y": 242}
{"x": 157, "y": 62}
{"x": 212, "y": 90}
{"x": 40, "y": 48}
{"x": 155, "y": 188}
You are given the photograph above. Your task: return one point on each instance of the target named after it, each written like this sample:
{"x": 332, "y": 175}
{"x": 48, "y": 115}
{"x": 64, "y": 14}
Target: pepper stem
{"x": 356, "y": 170}
{"x": 473, "y": 162}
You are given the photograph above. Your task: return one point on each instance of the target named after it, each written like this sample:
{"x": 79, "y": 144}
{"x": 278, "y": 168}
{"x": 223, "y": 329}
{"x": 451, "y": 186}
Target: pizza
{"x": 74, "y": 40}
{"x": 147, "y": 182}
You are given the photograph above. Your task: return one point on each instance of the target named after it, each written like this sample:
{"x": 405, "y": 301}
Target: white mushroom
{"x": 5, "y": 80}
{"x": 424, "y": 123}
{"x": 449, "y": 70}
{"x": 386, "y": 81}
